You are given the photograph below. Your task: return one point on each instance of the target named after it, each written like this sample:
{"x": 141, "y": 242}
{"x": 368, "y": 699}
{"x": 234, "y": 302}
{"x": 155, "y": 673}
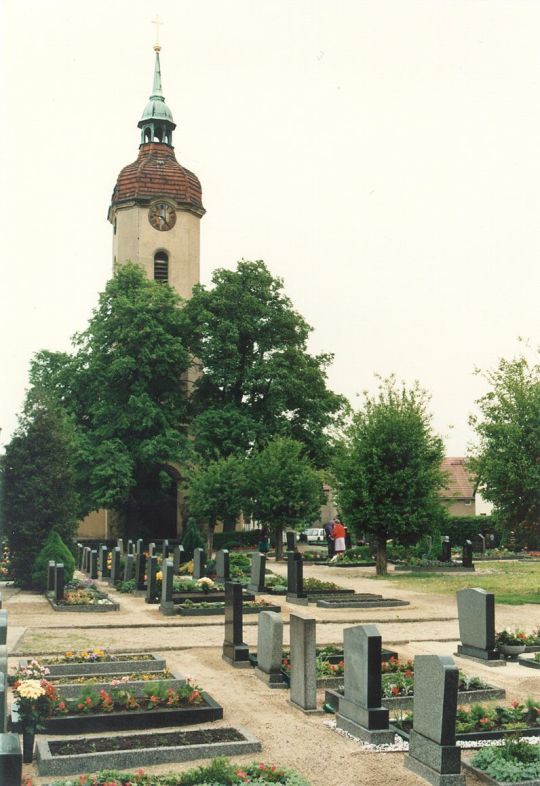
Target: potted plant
{"x": 511, "y": 644}
{"x": 35, "y": 702}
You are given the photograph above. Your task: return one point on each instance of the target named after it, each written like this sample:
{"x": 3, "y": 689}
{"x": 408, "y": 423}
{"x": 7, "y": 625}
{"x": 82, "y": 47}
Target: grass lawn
{"x": 512, "y": 582}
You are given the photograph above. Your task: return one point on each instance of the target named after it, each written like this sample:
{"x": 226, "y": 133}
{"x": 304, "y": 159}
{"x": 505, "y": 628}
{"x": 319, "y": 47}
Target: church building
{"x": 155, "y": 211}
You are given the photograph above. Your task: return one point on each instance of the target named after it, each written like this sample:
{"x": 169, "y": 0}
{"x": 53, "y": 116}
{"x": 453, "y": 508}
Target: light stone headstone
{"x": 151, "y": 581}
{"x": 59, "y": 582}
{"x": 129, "y": 567}
{"x": 476, "y": 615}
{"x": 222, "y": 565}
{"x": 139, "y": 548}
{"x": 270, "y": 649}
{"x": 199, "y": 564}
{"x": 86, "y": 559}
{"x": 10, "y": 759}
{"x": 167, "y": 573}
{"x": 360, "y": 709}
{"x": 165, "y": 549}
{"x": 120, "y": 545}
{"x": 258, "y": 571}
{"x": 235, "y": 651}
{"x": 433, "y": 753}
{"x": 303, "y": 663}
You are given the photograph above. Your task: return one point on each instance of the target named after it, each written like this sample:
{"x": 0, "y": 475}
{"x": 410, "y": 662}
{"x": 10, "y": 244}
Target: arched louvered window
{"x": 161, "y": 267}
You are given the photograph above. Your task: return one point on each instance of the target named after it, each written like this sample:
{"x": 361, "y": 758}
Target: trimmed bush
{"x": 192, "y": 539}
{"x": 231, "y": 540}
{"x": 53, "y": 549}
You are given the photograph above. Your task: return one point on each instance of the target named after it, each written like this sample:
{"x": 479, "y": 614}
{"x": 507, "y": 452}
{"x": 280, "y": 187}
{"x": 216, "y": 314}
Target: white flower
{"x": 30, "y": 689}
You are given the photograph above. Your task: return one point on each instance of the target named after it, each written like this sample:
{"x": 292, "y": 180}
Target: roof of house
{"x": 459, "y": 483}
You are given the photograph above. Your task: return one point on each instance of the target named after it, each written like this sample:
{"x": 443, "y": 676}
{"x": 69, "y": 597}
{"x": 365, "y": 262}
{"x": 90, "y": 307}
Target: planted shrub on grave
{"x": 513, "y": 762}
{"x": 54, "y": 549}
{"x": 192, "y": 538}
{"x": 479, "y": 718}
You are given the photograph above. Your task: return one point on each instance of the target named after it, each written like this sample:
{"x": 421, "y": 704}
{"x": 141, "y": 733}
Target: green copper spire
{"x": 157, "y": 122}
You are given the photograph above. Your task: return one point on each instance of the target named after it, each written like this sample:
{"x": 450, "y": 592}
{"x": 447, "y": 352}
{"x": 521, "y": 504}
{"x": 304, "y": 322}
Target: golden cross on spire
{"x": 157, "y": 23}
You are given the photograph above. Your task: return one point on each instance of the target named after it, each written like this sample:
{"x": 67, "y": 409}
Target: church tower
{"x": 156, "y": 205}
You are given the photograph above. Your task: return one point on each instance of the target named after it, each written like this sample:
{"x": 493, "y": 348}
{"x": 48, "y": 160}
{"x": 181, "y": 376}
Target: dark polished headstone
{"x": 165, "y": 549}
{"x": 59, "y": 582}
{"x": 360, "y": 709}
{"x": 115, "y": 566}
{"x": 10, "y": 760}
{"x": 433, "y": 753}
{"x": 446, "y": 549}
{"x": 235, "y": 651}
{"x": 152, "y": 549}
{"x": 479, "y": 544}
{"x": 178, "y": 553}
{"x": 79, "y": 555}
{"x": 50, "y": 575}
{"x": 104, "y": 562}
{"x": 151, "y": 581}
{"x": 467, "y": 555}
{"x": 93, "y": 564}
{"x": 199, "y": 564}
{"x": 139, "y": 546}
{"x": 140, "y": 568}
{"x": 3, "y": 702}
{"x": 167, "y": 573}
{"x": 258, "y": 572}
{"x": 295, "y": 579}
{"x": 291, "y": 540}
{"x": 222, "y": 565}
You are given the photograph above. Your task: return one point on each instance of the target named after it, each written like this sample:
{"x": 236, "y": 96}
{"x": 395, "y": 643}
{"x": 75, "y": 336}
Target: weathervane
{"x": 157, "y": 23}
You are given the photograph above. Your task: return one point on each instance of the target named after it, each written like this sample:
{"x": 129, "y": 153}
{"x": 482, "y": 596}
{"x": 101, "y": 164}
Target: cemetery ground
{"x": 193, "y": 646}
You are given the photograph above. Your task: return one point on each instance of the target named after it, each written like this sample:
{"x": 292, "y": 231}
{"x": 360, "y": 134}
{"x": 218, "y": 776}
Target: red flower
{"x": 395, "y": 690}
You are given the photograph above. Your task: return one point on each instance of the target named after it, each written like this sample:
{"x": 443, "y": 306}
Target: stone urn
{"x": 511, "y": 650}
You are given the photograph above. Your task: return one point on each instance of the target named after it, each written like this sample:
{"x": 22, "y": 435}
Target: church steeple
{"x": 157, "y": 123}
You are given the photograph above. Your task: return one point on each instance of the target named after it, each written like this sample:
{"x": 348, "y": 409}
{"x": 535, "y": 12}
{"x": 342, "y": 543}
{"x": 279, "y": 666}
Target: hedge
{"x": 229, "y": 540}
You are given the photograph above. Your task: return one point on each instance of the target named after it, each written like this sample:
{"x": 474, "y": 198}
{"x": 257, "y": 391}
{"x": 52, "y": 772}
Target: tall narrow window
{"x": 161, "y": 267}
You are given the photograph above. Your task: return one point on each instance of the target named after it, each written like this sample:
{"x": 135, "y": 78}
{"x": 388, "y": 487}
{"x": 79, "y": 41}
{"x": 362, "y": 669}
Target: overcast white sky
{"x": 383, "y": 157}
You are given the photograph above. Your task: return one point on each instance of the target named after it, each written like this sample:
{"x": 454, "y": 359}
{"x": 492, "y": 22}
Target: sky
{"x": 381, "y": 156}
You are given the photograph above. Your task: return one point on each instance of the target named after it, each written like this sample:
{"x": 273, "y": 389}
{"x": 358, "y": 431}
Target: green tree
{"x": 39, "y": 483}
{"x": 123, "y": 387}
{"x": 387, "y": 470}
{"x": 506, "y": 459}
{"x": 55, "y": 549}
{"x": 192, "y": 538}
{"x": 217, "y": 491}
{"x": 285, "y": 489}
{"x": 258, "y": 380}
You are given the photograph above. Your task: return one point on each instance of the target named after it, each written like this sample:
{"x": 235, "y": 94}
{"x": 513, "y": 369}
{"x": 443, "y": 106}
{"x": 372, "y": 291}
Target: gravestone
{"x": 178, "y": 557}
{"x": 59, "y": 582}
{"x": 129, "y": 567}
{"x": 140, "y": 568}
{"x": 151, "y": 549}
{"x": 303, "y": 663}
{"x": 348, "y": 539}
{"x": 291, "y": 540}
{"x": 120, "y": 545}
{"x": 10, "y": 759}
{"x": 222, "y": 565}
{"x": 151, "y": 581}
{"x": 235, "y": 651}
{"x": 3, "y": 703}
{"x": 104, "y": 562}
{"x": 258, "y": 572}
{"x": 115, "y": 566}
{"x": 433, "y": 753}
{"x": 446, "y": 549}
{"x": 270, "y": 649}
{"x": 165, "y": 549}
{"x": 3, "y": 659}
{"x": 479, "y": 544}
{"x": 467, "y": 555}
{"x": 79, "y": 555}
{"x": 476, "y": 615}
{"x": 295, "y": 579}
{"x": 3, "y": 627}
{"x": 50, "y": 575}
{"x": 93, "y": 564}
{"x": 129, "y": 547}
{"x": 199, "y": 564}
{"x": 167, "y": 573}
{"x": 86, "y": 559}
{"x": 139, "y": 548}
{"x": 360, "y": 709}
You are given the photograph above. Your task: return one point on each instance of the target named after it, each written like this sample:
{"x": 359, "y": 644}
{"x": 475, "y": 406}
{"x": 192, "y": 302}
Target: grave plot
{"x": 397, "y": 682}
{"x": 532, "y": 662}
{"x": 75, "y": 596}
{"x": 98, "y": 661}
{"x": 516, "y": 763}
{"x": 444, "y": 564}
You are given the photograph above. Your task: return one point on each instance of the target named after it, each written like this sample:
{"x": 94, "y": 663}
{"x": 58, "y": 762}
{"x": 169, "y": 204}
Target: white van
{"x": 316, "y": 535}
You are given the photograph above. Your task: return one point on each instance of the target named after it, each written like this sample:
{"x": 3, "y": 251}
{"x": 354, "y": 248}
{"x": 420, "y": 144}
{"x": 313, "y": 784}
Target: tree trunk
{"x": 380, "y": 559}
{"x": 279, "y": 543}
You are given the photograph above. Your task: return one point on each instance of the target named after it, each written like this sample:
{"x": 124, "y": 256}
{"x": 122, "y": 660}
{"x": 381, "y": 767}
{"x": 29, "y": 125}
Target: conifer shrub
{"x": 192, "y": 538}
{"x": 55, "y": 549}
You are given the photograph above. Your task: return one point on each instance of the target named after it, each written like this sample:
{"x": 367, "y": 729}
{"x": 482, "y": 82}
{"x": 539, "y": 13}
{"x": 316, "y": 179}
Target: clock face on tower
{"x": 162, "y": 216}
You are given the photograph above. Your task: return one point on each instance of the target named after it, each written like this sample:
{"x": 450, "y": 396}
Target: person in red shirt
{"x": 338, "y": 533}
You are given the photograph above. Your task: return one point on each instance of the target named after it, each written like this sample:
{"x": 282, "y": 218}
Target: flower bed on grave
{"x": 425, "y": 565}
{"x": 5, "y": 563}
{"x": 277, "y": 585}
{"x": 532, "y": 662}
{"x": 478, "y": 722}
{"x": 329, "y": 666}
{"x": 191, "y": 608}
{"x": 516, "y": 762}
{"x": 397, "y": 683}
{"x": 83, "y": 596}
{"x": 97, "y": 661}
{"x": 220, "y": 772}
{"x": 120, "y": 709}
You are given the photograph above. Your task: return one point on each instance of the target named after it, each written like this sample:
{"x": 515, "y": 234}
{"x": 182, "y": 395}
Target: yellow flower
{"x": 30, "y": 689}
{"x": 159, "y": 576}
